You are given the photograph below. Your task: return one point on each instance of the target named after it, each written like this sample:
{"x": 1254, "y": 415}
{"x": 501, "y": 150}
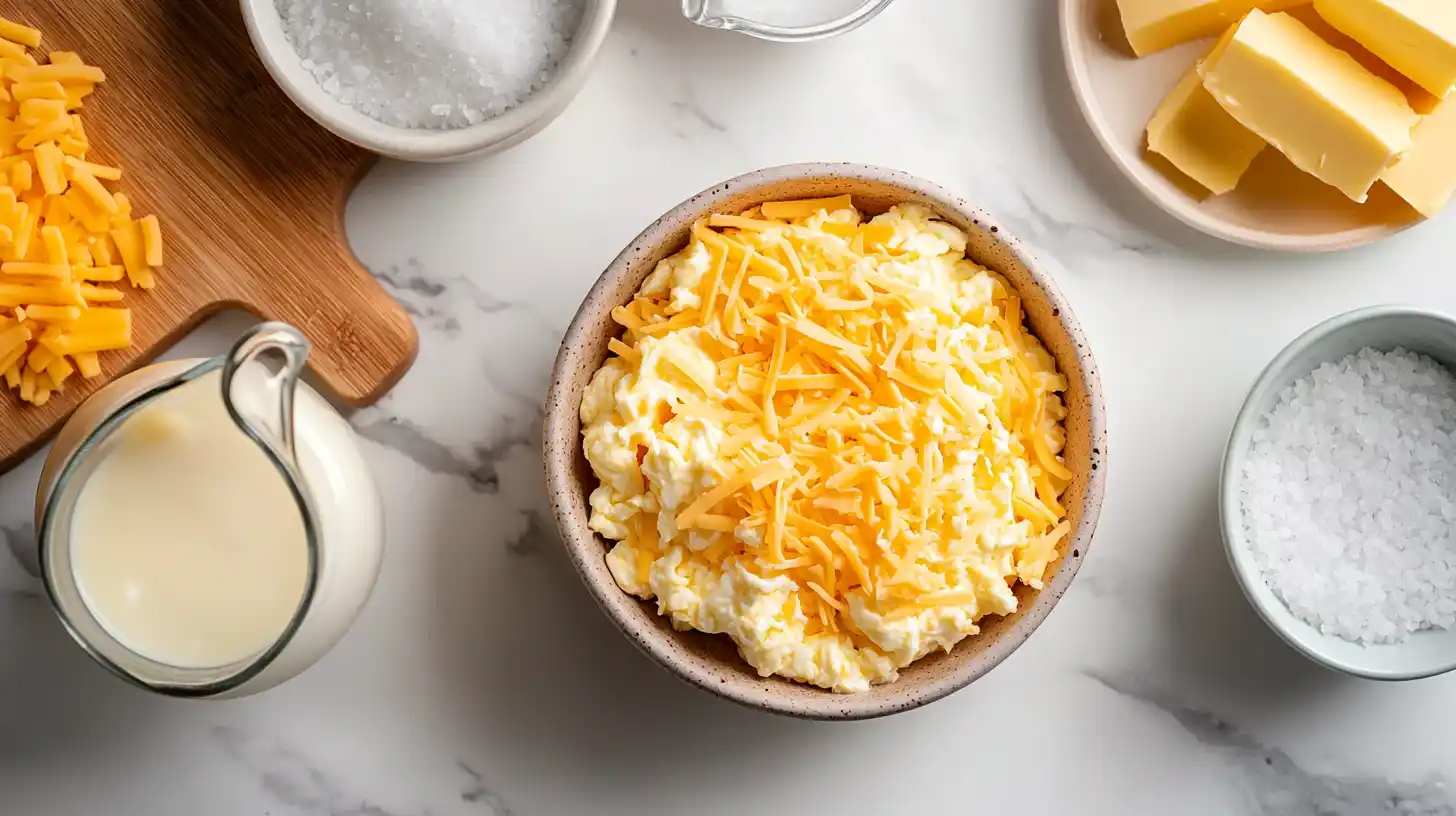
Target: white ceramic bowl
{"x": 1426, "y": 653}
{"x": 265, "y": 26}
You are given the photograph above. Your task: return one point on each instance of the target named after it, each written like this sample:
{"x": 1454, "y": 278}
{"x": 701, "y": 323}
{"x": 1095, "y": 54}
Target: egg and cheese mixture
{"x": 829, "y": 438}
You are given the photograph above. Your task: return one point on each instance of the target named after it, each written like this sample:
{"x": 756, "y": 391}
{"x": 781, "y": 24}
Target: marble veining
{"x": 292, "y": 780}
{"x": 1068, "y": 237}
{"x": 477, "y": 465}
{"x": 1273, "y": 782}
{"x": 435, "y": 302}
{"x": 440, "y": 304}
{"x": 476, "y": 791}
{"x": 689, "y": 105}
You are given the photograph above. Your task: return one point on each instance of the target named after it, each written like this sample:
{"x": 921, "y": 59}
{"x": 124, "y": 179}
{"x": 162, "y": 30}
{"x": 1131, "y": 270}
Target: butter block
{"x": 1327, "y": 113}
{"x": 1426, "y": 175}
{"x": 1417, "y": 37}
{"x": 1200, "y": 138}
{"x": 1154, "y": 25}
{"x": 1421, "y": 100}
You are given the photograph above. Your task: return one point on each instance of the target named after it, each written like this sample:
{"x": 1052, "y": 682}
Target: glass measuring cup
{"x": 784, "y": 20}
{"x": 303, "y": 439}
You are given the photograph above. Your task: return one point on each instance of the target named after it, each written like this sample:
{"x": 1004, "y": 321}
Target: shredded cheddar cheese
{"x": 833, "y": 440}
{"x": 62, "y": 230}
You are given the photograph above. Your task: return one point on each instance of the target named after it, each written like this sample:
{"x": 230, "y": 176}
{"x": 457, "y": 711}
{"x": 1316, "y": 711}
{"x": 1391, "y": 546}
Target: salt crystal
{"x": 431, "y": 63}
{"x": 1347, "y": 494}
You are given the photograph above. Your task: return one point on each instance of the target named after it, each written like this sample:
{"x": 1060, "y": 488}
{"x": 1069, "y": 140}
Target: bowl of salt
{"x": 430, "y": 80}
{"x": 1337, "y": 498}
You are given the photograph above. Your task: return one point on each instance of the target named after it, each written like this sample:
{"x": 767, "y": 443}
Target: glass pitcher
{"x": 315, "y": 455}
{"x": 784, "y": 20}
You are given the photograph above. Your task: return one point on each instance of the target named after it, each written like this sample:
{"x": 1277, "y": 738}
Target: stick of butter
{"x": 1426, "y": 176}
{"x": 1200, "y": 138}
{"x": 1153, "y": 25}
{"x": 1417, "y": 37}
{"x": 1421, "y": 100}
{"x": 1326, "y": 112}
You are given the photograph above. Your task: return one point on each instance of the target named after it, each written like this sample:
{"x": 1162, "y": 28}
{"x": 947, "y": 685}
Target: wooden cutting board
{"x": 249, "y": 190}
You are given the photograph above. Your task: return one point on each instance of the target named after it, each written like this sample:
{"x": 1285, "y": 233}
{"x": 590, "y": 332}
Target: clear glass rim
{"x": 54, "y": 502}
{"x": 693, "y": 10}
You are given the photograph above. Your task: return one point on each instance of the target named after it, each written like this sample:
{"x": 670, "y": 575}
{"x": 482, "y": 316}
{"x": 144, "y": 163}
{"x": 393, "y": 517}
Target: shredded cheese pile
{"x": 831, "y": 439}
{"x": 63, "y": 233}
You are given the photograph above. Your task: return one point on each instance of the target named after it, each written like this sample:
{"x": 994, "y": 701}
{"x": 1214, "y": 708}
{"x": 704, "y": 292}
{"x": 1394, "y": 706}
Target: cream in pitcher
{"x": 186, "y": 545}
{"x": 208, "y": 528}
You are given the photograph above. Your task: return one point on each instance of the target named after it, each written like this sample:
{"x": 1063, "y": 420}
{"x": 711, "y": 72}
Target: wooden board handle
{"x": 362, "y": 343}
{"x": 249, "y": 190}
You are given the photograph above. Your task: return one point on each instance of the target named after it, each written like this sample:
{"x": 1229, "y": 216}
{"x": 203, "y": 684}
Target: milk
{"x": 186, "y": 543}
{"x": 176, "y": 554}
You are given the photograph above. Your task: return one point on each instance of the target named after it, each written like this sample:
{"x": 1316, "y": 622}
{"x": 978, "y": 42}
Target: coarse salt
{"x": 1348, "y": 497}
{"x": 431, "y": 63}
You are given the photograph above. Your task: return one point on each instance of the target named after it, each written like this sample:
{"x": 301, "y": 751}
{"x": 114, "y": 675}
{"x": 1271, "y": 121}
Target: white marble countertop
{"x": 482, "y": 679}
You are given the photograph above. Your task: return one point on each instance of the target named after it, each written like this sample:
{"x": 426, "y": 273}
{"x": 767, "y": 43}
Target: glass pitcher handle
{"x": 695, "y": 10}
{"x": 272, "y": 427}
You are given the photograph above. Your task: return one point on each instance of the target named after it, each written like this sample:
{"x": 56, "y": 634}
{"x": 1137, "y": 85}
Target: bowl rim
{"x": 1230, "y": 512}
{"x": 265, "y": 29}
{"x": 653, "y": 642}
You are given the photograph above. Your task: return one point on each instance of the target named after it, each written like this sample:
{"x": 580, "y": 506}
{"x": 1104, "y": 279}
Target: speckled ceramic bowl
{"x": 712, "y": 662}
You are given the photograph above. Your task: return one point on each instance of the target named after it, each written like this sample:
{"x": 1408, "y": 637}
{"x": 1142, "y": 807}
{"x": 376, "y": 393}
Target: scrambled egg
{"x": 829, "y": 439}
